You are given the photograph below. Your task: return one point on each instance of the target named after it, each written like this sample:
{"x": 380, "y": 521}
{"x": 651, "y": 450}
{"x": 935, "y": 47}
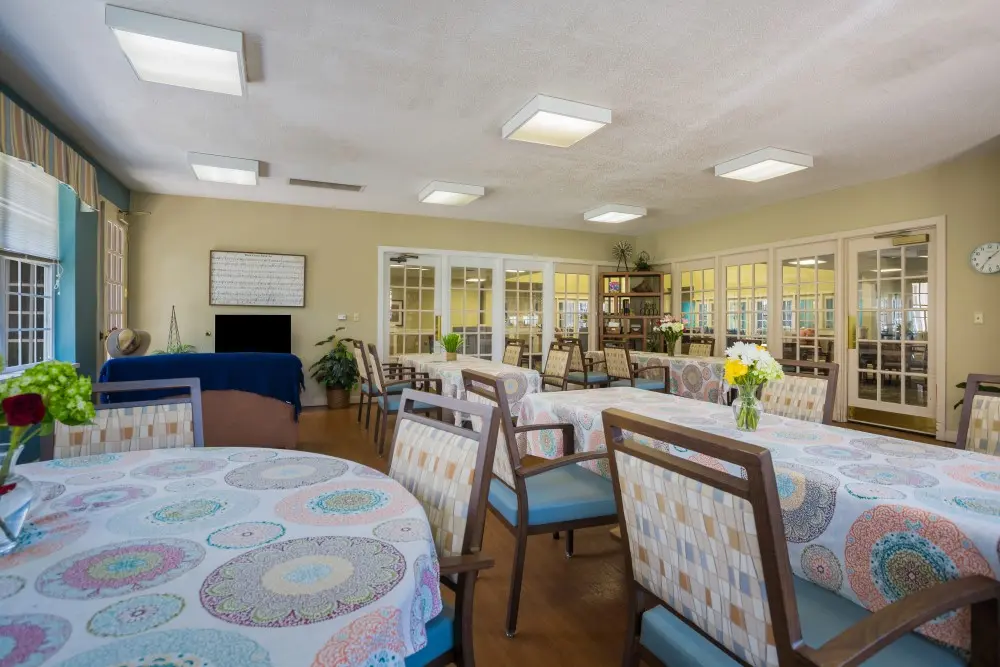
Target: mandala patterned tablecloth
{"x": 869, "y": 517}
{"x": 217, "y": 556}
{"x": 700, "y": 378}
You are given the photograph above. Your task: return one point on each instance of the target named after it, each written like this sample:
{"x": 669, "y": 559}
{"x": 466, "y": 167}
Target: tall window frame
{"x": 28, "y": 313}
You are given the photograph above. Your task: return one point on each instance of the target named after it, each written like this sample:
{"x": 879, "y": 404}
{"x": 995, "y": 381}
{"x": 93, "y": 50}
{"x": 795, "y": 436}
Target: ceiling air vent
{"x": 327, "y": 186}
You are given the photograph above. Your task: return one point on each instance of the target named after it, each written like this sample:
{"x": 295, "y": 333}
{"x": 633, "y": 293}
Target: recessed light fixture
{"x": 179, "y": 53}
{"x": 450, "y": 194}
{"x": 555, "y": 122}
{"x": 614, "y": 213}
{"x": 807, "y": 262}
{"x": 222, "y": 169}
{"x": 764, "y": 164}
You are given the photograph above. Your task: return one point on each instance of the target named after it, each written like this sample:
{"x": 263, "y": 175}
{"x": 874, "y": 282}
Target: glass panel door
{"x": 746, "y": 300}
{"x": 523, "y": 301}
{"x": 808, "y": 302}
{"x": 471, "y": 297}
{"x": 697, "y": 299}
{"x": 572, "y": 306}
{"x": 414, "y": 305}
{"x": 891, "y": 367}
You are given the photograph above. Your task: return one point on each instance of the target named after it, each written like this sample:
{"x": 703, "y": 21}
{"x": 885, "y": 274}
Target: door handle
{"x": 852, "y": 332}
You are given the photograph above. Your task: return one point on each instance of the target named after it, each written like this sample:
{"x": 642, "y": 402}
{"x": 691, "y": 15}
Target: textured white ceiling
{"x": 395, "y": 94}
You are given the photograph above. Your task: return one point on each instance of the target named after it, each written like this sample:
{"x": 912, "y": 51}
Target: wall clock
{"x": 986, "y": 258}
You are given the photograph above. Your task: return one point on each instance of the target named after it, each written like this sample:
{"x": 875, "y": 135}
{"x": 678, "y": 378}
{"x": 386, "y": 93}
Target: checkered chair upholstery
{"x": 700, "y": 350}
{"x": 128, "y": 429}
{"x": 438, "y": 468}
{"x": 617, "y": 362}
{"x": 696, "y": 548}
{"x": 502, "y": 466}
{"x": 796, "y": 396}
{"x": 984, "y": 426}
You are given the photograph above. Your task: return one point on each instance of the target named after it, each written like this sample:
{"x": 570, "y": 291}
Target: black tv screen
{"x": 253, "y": 333}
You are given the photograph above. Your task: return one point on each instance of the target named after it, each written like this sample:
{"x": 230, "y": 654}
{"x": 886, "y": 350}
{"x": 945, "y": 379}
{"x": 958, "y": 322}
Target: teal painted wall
{"x": 65, "y": 299}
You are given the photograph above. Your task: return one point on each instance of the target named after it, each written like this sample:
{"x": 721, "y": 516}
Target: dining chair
{"x": 446, "y": 468}
{"x": 392, "y": 370}
{"x": 709, "y": 579}
{"x": 556, "y": 367}
{"x": 553, "y": 496}
{"x": 513, "y": 354}
{"x": 623, "y": 371}
{"x": 979, "y": 425}
{"x": 700, "y": 349}
{"x": 581, "y": 369}
{"x": 387, "y": 402}
{"x": 158, "y": 414}
{"x": 808, "y": 396}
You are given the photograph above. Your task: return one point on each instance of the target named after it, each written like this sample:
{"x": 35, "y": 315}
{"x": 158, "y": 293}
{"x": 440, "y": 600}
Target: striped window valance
{"x": 23, "y": 137}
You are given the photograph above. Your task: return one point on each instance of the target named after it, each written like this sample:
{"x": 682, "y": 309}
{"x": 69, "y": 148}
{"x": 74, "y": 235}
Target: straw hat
{"x": 128, "y": 343}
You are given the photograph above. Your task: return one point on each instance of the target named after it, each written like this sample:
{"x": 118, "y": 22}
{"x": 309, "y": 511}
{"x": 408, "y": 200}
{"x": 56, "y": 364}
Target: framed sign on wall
{"x": 257, "y": 279}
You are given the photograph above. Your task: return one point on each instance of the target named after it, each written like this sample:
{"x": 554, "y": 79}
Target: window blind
{"x": 29, "y": 210}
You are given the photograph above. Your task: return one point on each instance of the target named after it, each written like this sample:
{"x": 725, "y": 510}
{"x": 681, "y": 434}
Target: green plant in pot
{"x": 337, "y": 370}
{"x": 451, "y": 344}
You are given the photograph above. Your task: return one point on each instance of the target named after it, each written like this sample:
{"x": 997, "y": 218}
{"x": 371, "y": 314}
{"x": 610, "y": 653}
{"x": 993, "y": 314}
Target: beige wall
{"x": 966, "y": 190}
{"x": 169, "y": 256}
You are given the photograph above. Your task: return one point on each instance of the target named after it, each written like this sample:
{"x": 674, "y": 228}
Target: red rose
{"x": 24, "y": 409}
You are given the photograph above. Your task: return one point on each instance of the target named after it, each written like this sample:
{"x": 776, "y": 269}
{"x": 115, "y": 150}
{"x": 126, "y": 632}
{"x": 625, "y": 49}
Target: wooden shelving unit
{"x": 631, "y": 303}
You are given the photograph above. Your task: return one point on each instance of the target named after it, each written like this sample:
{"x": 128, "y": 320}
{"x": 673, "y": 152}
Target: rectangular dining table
{"x": 700, "y": 378}
{"x": 870, "y": 517}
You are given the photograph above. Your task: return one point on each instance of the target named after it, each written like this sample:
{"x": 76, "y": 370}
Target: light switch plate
{"x": 977, "y": 318}
{"x": 342, "y": 317}
{"x": 356, "y": 318}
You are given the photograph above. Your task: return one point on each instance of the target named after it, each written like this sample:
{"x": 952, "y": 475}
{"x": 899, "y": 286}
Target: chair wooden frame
{"x": 466, "y": 567}
{"x": 831, "y": 377}
{"x": 586, "y": 365}
{"x": 549, "y": 379}
{"x": 412, "y": 379}
{"x": 193, "y": 396}
{"x": 973, "y": 388}
{"x": 520, "y": 353}
{"x": 710, "y": 346}
{"x": 852, "y": 646}
{"x": 634, "y": 369}
{"x": 395, "y": 371}
{"x": 492, "y": 388}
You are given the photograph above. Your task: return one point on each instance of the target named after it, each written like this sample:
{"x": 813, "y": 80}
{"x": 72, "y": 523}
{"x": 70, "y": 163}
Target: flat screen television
{"x": 253, "y": 333}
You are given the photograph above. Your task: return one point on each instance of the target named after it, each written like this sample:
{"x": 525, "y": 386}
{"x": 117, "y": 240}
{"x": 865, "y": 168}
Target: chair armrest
{"x": 640, "y": 371}
{"x": 408, "y": 382}
{"x": 405, "y": 372}
{"x": 569, "y": 446}
{"x": 863, "y": 640}
{"x": 434, "y": 382}
{"x": 560, "y": 462}
{"x": 464, "y": 563}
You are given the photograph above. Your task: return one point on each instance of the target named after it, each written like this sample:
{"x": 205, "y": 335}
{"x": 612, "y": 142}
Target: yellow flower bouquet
{"x": 749, "y": 366}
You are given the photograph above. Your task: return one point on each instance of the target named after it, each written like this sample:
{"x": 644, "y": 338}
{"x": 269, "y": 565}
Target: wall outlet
{"x": 977, "y": 318}
{"x": 356, "y": 318}
{"x": 342, "y": 317}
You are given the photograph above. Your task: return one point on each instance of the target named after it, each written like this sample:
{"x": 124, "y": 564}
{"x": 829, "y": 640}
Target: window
{"x": 573, "y": 306}
{"x": 523, "y": 311}
{"x": 697, "y": 306}
{"x": 472, "y": 309}
{"x": 746, "y": 302}
{"x": 29, "y": 249}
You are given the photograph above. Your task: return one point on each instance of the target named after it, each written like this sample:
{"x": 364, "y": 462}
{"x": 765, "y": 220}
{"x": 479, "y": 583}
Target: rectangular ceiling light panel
{"x": 220, "y": 169}
{"x": 180, "y": 53}
{"x": 614, "y": 213}
{"x": 763, "y": 165}
{"x": 555, "y": 122}
{"x": 450, "y": 194}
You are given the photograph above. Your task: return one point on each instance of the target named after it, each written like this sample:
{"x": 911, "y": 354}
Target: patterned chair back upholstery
{"x": 361, "y": 359}
{"x": 800, "y": 396}
{"x": 979, "y": 426}
{"x": 618, "y": 363}
{"x": 512, "y": 354}
{"x": 445, "y": 468}
{"x": 135, "y": 425}
{"x": 557, "y": 361}
{"x": 700, "y": 350}
{"x": 710, "y": 546}
{"x": 481, "y": 388}
{"x": 575, "y": 355}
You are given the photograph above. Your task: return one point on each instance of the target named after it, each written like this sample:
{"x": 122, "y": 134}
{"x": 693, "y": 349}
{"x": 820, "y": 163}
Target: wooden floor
{"x": 572, "y": 610}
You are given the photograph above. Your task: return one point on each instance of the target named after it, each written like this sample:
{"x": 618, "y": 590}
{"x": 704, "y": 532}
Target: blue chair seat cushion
{"x": 641, "y": 383}
{"x": 823, "y": 615}
{"x": 393, "y": 389}
{"x": 563, "y": 494}
{"x": 440, "y": 639}
{"x": 576, "y": 377}
{"x": 394, "y": 400}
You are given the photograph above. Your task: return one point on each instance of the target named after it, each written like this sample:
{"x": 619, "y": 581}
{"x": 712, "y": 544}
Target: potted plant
{"x": 337, "y": 370}
{"x": 451, "y": 344}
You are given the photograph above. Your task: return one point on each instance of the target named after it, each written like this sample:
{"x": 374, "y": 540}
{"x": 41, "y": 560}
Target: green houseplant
{"x": 451, "y": 344}
{"x": 337, "y": 370}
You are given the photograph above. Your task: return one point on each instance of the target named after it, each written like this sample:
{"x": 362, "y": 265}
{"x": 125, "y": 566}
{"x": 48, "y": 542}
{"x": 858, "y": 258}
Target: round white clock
{"x": 986, "y": 258}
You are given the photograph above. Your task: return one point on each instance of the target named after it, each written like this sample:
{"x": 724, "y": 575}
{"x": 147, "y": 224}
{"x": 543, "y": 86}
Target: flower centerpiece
{"x": 451, "y": 344}
{"x": 749, "y": 366}
{"x": 671, "y": 329}
{"x": 30, "y": 404}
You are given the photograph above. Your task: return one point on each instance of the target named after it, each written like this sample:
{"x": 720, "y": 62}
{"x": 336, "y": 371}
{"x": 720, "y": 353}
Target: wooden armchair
{"x": 145, "y": 423}
{"x": 387, "y": 400}
{"x": 979, "y": 425}
{"x": 547, "y": 498}
{"x": 556, "y": 367}
{"x": 394, "y": 370}
{"x": 623, "y": 372}
{"x": 581, "y": 369}
{"x": 446, "y": 468}
{"x": 513, "y": 353}
{"x": 710, "y": 581}
{"x": 808, "y": 396}
{"x": 700, "y": 349}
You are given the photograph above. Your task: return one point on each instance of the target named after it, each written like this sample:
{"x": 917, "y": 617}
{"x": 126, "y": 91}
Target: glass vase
{"x": 670, "y": 346}
{"x": 16, "y": 492}
{"x": 747, "y": 407}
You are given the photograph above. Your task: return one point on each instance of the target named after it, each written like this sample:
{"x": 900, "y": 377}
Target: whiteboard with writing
{"x": 257, "y": 279}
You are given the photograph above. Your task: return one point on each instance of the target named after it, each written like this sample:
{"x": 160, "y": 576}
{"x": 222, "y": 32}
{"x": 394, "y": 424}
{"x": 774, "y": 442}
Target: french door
{"x": 414, "y": 305}
{"x": 471, "y": 295}
{"x": 892, "y": 330}
{"x": 114, "y": 258}
{"x": 528, "y": 314}
{"x": 746, "y": 298}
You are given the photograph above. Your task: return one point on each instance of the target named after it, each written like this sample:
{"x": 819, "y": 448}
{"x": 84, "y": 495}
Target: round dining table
{"x": 220, "y": 557}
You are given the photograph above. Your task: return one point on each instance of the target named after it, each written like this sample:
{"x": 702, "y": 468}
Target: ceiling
{"x": 394, "y": 94}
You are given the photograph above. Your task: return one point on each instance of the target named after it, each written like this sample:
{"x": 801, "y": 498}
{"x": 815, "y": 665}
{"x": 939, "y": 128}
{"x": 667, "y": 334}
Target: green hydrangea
{"x": 67, "y": 395}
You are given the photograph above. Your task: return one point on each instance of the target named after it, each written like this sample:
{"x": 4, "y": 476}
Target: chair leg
{"x": 361, "y": 404}
{"x": 516, "y": 575}
{"x": 569, "y": 543}
{"x": 555, "y": 535}
{"x": 631, "y": 657}
{"x": 378, "y": 422}
{"x": 381, "y": 438}
{"x": 368, "y": 413}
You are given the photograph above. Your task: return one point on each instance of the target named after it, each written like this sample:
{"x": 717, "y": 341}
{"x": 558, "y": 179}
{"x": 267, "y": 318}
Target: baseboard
{"x": 950, "y": 436}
